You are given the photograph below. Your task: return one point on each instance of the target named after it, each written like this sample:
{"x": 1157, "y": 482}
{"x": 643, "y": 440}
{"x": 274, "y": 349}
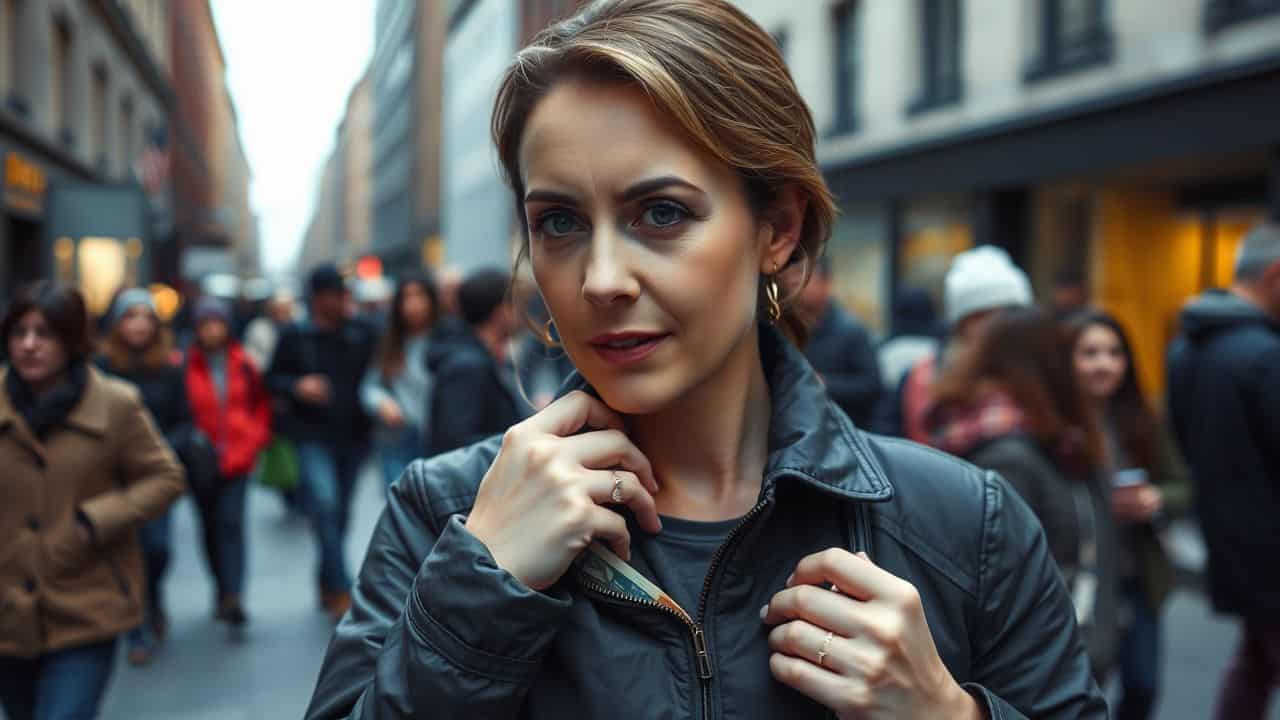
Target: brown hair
{"x": 158, "y": 353}
{"x": 1136, "y": 425}
{"x": 391, "y": 348}
{"x": 710, "y": 68}
{"x": 63, "y": 309}
{"x": 1025, "y": 353}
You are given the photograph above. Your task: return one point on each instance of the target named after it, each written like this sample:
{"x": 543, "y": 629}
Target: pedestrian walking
{"x": 316, "y": 374}
{"x": 396, "y": 390}
{"x": 664, "y": 162}
{"x": 840, "y": 349}
{"x": 263, "y": 331}
{"x": 1149, "y": 486}
{"x": 231, "y": 407}
{"x": 979, "y": 283}
{"x": 140, "y": 349}
{"x": 1224, "y": 400}
{"x": 1009, "y": 402}
{"x": 71, "y": 570}
{"x": 473, "y": 395}
{"x": 915, "y": 337}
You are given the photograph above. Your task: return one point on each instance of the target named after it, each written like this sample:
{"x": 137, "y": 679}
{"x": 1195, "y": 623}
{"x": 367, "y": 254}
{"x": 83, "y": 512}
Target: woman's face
{"x": 213, "y": 334}
{"x": 138, "y": 327}
{"x": 643, "y": 246}
{"x": 37, "y": 355}
{"x": 415, "y": 307}
{"x": 1100, "y": 362}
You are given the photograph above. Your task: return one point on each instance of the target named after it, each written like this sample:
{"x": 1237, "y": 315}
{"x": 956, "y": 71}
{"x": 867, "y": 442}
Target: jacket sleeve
{"x": 436, "y": 630}
{"x": 857, "y": 385}
{"x": 372, "y": 393}
{"x": 460, "y": 414}
{"x": 1174, "y": 476}
{"x": 1029, "y": 659}
{"x": 260, "y": 407}
{"x": 150, "y": 476}
{"x": 286, "y": 364}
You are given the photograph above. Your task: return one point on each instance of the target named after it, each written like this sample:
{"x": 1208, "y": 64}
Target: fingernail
{"x": 764, "y": 612}
{"x": 790, "y": 578}
{"x": 863, "y": 555}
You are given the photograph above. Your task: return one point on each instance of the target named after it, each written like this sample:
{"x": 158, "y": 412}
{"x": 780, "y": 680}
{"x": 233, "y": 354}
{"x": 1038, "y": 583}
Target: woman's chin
{"x": 634, "y": 395}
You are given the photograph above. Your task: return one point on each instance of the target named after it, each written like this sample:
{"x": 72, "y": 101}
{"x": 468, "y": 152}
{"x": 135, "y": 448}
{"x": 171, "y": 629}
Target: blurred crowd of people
{"x": 96, "y": 435}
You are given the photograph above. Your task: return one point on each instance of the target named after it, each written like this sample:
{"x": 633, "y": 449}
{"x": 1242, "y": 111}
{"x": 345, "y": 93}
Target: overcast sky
{"x": 290, "y": 66}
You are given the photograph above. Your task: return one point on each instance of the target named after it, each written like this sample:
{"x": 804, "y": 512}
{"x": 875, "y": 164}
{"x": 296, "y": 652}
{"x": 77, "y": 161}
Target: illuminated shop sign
{"x": 24, "y": 184}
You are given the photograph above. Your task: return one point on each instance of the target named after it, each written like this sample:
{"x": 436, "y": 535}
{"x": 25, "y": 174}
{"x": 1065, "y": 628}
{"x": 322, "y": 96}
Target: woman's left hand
{"x": 863, "y": 649}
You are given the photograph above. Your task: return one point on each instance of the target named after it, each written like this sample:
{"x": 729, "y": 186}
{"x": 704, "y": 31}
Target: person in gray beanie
{"x": 978, "y": 283}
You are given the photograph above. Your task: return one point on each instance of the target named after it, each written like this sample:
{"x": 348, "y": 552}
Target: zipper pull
{"x": 704, "y": 656}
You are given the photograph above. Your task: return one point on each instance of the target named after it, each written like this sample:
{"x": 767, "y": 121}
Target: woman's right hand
{"x": 389, "y": 413}
{"x": 542, "y": 501}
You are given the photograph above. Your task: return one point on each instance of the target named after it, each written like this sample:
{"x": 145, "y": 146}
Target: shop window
{"x": 941, "y": 56}
{"x": 934, "y": 230}
{"x": 1219, "y": 14}
{"x": 859, "y": 255}
{"x": 101, "y": 268}
{"x": 847, "y": 52}
{"x": 62, "y": 98}
{"x": 1073, "y": 35}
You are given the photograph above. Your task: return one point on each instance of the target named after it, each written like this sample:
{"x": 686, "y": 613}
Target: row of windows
{"x": 83, "y": 130}
{"x": 1071, "y": 35}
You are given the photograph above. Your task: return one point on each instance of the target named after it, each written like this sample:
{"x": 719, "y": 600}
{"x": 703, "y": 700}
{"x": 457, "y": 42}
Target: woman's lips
{"x": 627, "y": 348}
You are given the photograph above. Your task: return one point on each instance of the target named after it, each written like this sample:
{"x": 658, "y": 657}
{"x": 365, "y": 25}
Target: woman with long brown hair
{"x": 1010, "y": 403}
{"x": 140, "y": 349}
{"x": 84, "y": 467}
{"x": 695, "y": 530}
{"x": 397, "y": 388}
{"x": 1150, "y": 484}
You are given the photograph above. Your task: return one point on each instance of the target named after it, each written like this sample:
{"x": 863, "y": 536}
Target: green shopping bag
{"x": 279, "y": 465}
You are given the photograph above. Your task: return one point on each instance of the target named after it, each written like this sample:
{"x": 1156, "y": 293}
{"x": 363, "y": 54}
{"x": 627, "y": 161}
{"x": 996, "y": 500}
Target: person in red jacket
{"x": 230, "y": 404}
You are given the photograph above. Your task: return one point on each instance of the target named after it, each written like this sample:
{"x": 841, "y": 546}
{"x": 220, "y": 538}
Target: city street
{"x": 204, "y": 674}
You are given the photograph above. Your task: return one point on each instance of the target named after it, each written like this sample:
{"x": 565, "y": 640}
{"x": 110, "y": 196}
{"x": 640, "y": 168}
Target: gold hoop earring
{"x": 771, "y": 296}
{"x": 549, "y": 339}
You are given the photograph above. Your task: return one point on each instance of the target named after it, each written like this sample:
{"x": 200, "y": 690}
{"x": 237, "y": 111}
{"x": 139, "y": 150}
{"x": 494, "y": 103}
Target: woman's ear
{"x": 780, "y": 229}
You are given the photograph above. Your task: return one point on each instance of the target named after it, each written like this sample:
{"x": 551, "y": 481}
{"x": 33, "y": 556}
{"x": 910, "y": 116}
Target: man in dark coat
{"x": 840, "y": 349}
{"x": 315, "y": 377}
{"x": 474, "y": 395}
{"x": 1224, "y": 397}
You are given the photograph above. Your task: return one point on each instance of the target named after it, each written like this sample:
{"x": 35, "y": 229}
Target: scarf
{"x": 46, "y": 412}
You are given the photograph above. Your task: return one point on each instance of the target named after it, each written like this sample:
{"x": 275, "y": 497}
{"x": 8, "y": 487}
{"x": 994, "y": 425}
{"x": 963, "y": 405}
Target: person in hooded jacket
{"x": 231, "y": 406}
{"x": 679, "y": 534}
{"x": 1010, "y": 402}
{"x": 140, "y": 349}
{"x": 1224, "y": 400}
{"x": 84, "y": 468}
{"x": 473, "y": 394}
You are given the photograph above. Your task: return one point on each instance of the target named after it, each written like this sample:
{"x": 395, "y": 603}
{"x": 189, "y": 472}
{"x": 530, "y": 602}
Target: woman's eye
{"x": 558, "y": 224}
{"x": 663, "y": 215}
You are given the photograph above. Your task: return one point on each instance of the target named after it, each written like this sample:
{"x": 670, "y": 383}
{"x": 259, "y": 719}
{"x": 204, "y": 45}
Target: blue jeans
{"x": 156, "y": 539}
{"x": 395, "y": 452}
{"x": 1139, "y": 656}
{"x": 328, "y": 479}
{"x": 224, "y": 535}
{"x": 63, "y": 685}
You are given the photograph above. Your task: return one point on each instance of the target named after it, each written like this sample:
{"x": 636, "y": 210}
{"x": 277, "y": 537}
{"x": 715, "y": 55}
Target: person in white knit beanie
{"x": 979, "y": 281}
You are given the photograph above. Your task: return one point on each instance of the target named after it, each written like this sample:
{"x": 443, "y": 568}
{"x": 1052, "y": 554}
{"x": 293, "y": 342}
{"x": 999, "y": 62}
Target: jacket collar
{"x": 91, "y": 415}
{"x": 810, "y": 439}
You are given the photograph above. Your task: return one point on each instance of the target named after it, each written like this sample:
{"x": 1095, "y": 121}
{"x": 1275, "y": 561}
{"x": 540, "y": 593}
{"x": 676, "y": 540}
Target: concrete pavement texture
{"x": 267, "y": 672}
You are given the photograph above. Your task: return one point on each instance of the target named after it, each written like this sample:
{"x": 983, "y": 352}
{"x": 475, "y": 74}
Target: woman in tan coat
{"x": 83, "y": 468}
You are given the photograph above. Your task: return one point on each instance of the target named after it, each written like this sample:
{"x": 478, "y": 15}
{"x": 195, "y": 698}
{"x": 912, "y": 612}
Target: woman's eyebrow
{"x": 550, "y": 196}
{"x": 644, "y": 187}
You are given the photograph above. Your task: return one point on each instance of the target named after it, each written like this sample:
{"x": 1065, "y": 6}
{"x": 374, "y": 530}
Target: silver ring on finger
{"x": 826, "y": 646}
{"x": 616, "y": 495}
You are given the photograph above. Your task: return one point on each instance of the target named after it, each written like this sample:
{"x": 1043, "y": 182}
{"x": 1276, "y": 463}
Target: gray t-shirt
{"x": 680, "y": 556}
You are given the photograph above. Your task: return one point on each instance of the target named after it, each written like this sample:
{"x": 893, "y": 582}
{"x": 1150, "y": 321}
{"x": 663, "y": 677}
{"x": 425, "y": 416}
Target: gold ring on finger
{"x": 826, "y": 645}
{"x": 617, "y": 488}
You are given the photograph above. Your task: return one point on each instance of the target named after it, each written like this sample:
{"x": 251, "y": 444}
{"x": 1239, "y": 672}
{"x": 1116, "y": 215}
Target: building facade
{"x": 341, "y": 226}
{"x": 84, "y": 100}
{"x": 1092, "y": 138}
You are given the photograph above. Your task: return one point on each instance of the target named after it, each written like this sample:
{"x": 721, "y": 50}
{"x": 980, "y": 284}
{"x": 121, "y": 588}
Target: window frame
{"x": 1223, "y": 14}
{"x": 936, "y": 90}
{"x": 1052, "y": 59}
{"x": 846, "y": 23}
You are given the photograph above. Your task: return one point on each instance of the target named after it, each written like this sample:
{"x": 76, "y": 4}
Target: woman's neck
{"x": 44, "y": 387}
{"x": 708, "y": 448}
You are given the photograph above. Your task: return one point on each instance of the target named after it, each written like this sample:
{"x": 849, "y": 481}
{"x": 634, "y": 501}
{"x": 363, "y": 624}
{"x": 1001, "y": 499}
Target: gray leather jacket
{"x": 438, "y": 631}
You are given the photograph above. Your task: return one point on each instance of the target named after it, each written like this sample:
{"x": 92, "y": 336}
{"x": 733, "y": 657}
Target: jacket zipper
{"x": 706, "y": 669}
